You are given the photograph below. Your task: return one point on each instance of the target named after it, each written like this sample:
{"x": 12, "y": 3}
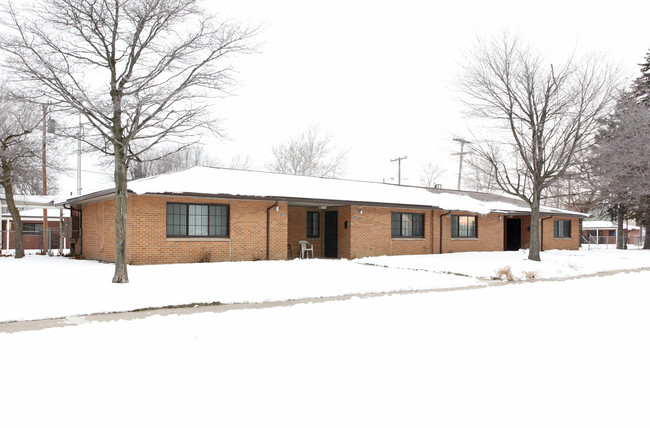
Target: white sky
{"x": 379, "y": 76}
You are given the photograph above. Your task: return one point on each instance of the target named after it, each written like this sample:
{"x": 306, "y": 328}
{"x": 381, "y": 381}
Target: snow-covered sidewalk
{"x": 39, "y": 287}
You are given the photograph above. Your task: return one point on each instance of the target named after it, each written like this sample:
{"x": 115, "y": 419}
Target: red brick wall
{"x": 490, "y": 234}
{"x": 371, "y": 233}
{"x": 550, "y": 242}
{"x": 368, "y": 232}
{"x": 147, "y": 241}
{"x": 345, "y": 219}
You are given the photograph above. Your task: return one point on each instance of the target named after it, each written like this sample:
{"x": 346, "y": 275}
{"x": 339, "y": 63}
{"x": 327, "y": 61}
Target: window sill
{"x": 198, "y": 239}
{"x": 405, "y": 238}
{"x": 464, "y": 239}
{"x": 562, "y": 239}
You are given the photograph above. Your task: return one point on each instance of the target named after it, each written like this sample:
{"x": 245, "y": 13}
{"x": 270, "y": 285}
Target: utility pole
{"x": 44, "y": 160}
{"x": 461, "y": 154}
{"x": 399, "y": 169}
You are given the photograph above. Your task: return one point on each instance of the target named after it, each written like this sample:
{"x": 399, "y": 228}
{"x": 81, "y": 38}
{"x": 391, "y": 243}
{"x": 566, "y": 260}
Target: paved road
{"x": 19, "y": 326}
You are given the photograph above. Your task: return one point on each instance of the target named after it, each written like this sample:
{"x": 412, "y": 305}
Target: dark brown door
{"x": 513, "y": 234}
{"x": 331, "y": 234}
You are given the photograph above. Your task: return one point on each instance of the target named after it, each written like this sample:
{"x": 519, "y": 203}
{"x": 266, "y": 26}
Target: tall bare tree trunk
{"x": 533, "y": 252}
{"x": 13, "y": 210}
{"x": 620, "y": 229}
{"x": 121, "y": 274}
{"x": 646, "y": 242}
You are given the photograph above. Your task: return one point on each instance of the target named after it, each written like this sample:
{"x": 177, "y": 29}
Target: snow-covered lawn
{"x": 555, "y": 354}
{"x": 555, "y": 263}
{"x": 39, "y": 287}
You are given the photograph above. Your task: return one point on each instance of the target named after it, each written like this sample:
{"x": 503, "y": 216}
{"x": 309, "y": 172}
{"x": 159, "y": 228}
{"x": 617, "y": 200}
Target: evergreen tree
{"x": 620, "y": 159}
{"x": 641, "y": 85}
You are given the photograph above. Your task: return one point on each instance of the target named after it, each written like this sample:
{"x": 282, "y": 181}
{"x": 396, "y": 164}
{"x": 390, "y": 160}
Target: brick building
{"x": 55, "y": 237}
{"x": 214, "y": 214}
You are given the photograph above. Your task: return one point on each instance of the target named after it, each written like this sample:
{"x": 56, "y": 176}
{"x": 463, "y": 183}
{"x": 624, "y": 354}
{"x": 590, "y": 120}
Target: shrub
{"x": 505, "y": 273}
{"x": 530, "y": 275}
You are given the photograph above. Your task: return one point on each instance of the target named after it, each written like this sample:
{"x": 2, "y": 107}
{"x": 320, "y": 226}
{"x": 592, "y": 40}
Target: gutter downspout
{"x": 541, "y": 237}
{"x": 440, "y": 219}
{"x": 432, "y": 228}
{"x": 268, "y": 229}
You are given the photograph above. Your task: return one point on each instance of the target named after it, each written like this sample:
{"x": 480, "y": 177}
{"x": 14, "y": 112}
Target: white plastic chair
{"x": 305, "y": 248}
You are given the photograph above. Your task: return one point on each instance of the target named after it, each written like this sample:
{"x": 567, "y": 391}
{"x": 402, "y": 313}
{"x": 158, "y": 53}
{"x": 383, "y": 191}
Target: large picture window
{"x": 407, "y": 225}
{"x": 313, "y": 224}
{"x": 196, "y": 220}
{"x": 562, "y": 229}
{"x": 464, "y": 226}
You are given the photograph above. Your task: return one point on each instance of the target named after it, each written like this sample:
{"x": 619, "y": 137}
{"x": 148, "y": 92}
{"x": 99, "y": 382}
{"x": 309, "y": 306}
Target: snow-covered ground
{"x": 570, "y": 353}
{"x": 39, "y": 287}
{"x": 555, "y": 263}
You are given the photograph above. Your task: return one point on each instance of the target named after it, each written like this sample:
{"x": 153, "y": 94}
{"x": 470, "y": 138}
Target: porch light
{"x": 360, "y": 210}
{"x": 277, "y": 207}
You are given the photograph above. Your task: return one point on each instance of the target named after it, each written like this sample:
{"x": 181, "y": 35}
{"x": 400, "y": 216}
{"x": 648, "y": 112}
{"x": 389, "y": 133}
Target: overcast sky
{"x": 379, "y": 76}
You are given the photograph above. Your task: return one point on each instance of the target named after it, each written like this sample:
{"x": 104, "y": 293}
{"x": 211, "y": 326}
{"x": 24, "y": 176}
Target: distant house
{"x": 218, "y": 214}
{"x": 605, "y": 232}
{"x": 33, "y": 229}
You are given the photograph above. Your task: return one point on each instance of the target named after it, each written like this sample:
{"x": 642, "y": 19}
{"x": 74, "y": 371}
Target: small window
{"x": 464, "y": 226}
{"x": 32, "y": 228}
{"x": 407, "y": 225}
{"x": 313, "y": 224}
{"x": 562, "y": 229}
{"x": 196, "y": 220}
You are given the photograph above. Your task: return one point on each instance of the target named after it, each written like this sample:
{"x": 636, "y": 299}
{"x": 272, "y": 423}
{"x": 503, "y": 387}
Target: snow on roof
{"x": 603, "y": 224}
{"x": 222, "y": 181}
{"x": 35, "y": 200}
{"x": 36, "y": 213}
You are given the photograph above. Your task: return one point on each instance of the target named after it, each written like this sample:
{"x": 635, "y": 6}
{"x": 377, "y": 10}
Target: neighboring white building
{"x": 605, "y": 232}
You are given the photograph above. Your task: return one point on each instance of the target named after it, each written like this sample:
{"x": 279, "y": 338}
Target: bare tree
{"x": 240, "y": 162}
{"x": 195, "y": 155}
{"x": 308, "y": 154}
{"x": 479, "y": 175}
{"x": 19, "y": 154}
{"x": 430, "y": 173}
{"x": 158, "y": 161}
{"x": 547, "y": 113}
{"x": 139, "y": 71}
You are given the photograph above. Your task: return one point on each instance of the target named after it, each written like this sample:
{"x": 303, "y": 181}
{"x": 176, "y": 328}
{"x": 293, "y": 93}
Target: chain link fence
{"x": 609, "y": 241}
